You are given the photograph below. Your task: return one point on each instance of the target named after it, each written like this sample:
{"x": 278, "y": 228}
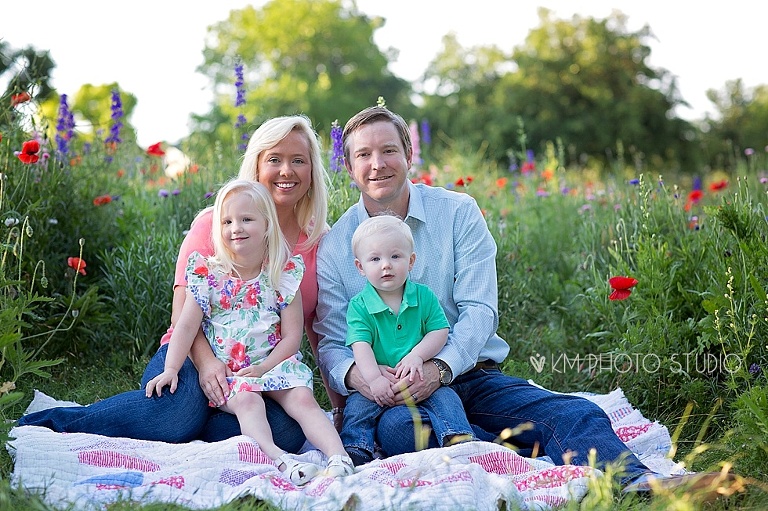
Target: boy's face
{"x": 385, "y": 260}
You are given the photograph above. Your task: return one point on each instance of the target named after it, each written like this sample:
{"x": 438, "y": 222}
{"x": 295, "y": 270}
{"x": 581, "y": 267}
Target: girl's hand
{"x": 255, "y": 371}
{"x": 156, "y": 384}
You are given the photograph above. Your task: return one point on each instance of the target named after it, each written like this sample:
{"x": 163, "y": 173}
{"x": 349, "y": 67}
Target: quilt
{"x": 90, "y": 472}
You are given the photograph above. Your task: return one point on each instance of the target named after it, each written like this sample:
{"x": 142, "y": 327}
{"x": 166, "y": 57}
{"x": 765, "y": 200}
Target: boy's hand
{"x": 381, "y": 388}
{"x": 410, "y": 366}
{"x": 156, "y": 384}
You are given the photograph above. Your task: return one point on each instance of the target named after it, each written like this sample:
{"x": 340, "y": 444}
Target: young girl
{"x": 247, "y": 298}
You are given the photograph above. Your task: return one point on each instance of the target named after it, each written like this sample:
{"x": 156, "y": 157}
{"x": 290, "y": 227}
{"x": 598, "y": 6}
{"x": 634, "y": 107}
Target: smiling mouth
{"x": 378, "y": 179}
{"x": 285, "y": 186}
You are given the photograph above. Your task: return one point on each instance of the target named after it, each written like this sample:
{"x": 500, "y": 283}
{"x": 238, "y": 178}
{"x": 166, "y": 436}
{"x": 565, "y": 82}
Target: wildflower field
{"x": 609, "y": 277}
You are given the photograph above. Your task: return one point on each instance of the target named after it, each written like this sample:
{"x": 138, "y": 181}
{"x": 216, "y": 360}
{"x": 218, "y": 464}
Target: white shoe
{"x": 339, "y": 466}
{"x": 298, "y": 472}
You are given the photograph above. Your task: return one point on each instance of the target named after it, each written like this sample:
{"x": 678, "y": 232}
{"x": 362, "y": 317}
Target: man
{"x": 458, "y": 264}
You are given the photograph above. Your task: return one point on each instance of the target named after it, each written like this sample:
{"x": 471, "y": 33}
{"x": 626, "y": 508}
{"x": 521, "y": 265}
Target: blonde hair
{"x": 277, "y": 251}
{"x": 382, "y": 225}
{"x": 312, "y": 209}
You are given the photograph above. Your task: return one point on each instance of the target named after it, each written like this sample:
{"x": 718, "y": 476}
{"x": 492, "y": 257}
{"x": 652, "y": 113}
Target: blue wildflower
{"x": 634, "y": 181}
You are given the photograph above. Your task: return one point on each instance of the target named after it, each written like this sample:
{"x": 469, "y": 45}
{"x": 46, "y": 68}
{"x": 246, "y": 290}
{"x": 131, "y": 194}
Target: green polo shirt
{"x": 391, "y": 335}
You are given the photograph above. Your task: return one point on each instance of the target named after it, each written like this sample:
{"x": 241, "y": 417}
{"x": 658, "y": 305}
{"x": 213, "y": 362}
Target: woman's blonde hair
{"x": 277, "y": 251}
{"x": 312, "y": 209}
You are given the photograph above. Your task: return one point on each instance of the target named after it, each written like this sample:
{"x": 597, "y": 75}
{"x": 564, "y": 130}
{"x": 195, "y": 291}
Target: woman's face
{"x": 286, "y": 170}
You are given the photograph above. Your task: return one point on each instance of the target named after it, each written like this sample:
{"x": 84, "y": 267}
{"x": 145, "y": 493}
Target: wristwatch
{"x": 445, "y": 372}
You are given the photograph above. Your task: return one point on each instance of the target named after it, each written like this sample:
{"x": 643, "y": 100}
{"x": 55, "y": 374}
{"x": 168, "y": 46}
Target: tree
{"x": 741, "y": 122}
{"x": 300, "y": 56}
{"x": 584, "y": 81}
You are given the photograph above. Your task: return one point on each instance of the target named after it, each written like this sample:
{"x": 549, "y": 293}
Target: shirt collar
{"x": 375, "y": 304}
{"x": 415, "y": 205}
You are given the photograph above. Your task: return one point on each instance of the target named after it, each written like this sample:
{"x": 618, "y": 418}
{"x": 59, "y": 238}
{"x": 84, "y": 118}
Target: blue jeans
{"x": 563, "y": 427}
{"x": 179, "y": 417}
{"x": 443, "y": 411}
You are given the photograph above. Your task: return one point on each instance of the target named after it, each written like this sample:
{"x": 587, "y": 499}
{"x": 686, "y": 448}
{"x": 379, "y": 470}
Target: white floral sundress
{"x": 241, "y": 320}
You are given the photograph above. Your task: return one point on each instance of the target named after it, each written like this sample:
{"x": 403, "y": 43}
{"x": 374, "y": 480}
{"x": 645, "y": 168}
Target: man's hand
{"x": 410, "y": 392}
{"x": 213, "y": 380}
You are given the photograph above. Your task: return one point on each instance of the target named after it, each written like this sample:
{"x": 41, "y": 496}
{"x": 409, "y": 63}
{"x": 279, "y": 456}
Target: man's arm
{"x": 474, "y": 292}
{"x": 335, "y": 358}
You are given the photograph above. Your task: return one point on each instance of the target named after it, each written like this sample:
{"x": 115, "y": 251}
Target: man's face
{"x": 378, "y": 163}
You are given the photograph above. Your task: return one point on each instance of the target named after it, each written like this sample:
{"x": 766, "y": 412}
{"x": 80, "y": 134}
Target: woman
{"x": 284, "y": 155}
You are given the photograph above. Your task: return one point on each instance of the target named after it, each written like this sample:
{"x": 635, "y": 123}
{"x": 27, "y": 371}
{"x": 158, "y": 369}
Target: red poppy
{"x": 155, "y": 150}
{"x": 21, "y": 97}
{"x": 76, "y": 264}
{"x": 718, "y": 185}
{"x": 527, "y": 167}
{"x": 29, "y": 151}
{"x": 501, "y": 182}
{"x": 622, "y": 287}
{"x": 101, "y": 200}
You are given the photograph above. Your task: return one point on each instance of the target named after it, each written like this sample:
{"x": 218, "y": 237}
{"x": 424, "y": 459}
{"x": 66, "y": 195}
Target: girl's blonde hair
{"x": 277, "y": 251}
{"x": 312, "y": 209}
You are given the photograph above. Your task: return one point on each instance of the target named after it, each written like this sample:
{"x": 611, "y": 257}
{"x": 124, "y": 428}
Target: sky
{"x": 152, "y": 48}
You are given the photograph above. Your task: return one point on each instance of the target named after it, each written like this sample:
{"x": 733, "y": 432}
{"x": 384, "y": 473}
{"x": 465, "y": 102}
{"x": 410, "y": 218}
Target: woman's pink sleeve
{"x": 197, "y": 239}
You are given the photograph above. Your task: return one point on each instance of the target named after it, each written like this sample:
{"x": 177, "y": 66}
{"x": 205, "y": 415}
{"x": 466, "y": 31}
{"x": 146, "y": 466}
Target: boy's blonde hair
{"x": 277, "y": 251}
{"x": 381, "y": 224}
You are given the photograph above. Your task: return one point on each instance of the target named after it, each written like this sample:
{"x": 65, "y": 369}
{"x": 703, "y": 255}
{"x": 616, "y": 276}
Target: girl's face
{"x": 243, "y": 228}
{"x": 286, "y": 170}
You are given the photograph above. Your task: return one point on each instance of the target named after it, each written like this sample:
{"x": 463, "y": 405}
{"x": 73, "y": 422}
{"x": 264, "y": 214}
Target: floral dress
{"x": 241, "y": 320}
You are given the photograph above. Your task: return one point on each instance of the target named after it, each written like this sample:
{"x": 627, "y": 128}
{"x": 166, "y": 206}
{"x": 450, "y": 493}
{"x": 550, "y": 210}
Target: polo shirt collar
{"x": 375, "y": 304}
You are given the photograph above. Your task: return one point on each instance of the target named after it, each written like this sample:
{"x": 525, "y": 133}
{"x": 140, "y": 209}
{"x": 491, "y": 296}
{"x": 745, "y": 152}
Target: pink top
{"x": 199, "y": 239}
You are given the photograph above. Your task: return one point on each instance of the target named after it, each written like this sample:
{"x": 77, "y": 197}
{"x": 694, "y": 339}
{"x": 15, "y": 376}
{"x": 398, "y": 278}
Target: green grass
{"x": 561, "y": 235}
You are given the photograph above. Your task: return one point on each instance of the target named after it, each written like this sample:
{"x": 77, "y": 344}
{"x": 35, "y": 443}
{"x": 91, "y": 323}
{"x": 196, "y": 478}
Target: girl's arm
{"x": 187, "y": 327}
{"x": 291, "y": 332}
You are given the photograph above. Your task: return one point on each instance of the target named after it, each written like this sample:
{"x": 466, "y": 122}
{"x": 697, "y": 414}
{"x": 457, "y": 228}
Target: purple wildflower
{"x": 239, "y": 103}
{"x": 754, "y": 369}
{"x": 176, "y": 191}
{"x": 208, "y": 195}
{"x": 426, "y": 135}
{"x": 749, "y": 151}
{"x": 696, "y": 183}
{"x": 117, "y": 115}
{"x": 162, "y": 193}
{"x": 635, "y": 181}
{"x": 529, "y": 155}
{"x": 65, "y": 126}
{"x": 337, "y": 151}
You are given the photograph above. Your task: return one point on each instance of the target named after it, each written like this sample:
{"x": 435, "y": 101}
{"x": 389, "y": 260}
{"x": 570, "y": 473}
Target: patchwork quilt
{"x": 90, "y": 472}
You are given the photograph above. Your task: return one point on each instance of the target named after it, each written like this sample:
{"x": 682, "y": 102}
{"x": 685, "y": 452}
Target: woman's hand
{"x": 213, "y": 379}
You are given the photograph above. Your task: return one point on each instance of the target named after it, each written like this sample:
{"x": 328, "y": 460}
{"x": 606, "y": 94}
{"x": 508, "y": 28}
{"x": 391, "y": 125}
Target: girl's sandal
{"x": 339, "y": 466}
{"x": 298, "y": 472}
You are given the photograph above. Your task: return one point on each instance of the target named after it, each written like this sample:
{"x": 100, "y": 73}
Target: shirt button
{"x": 399, "y": 327}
